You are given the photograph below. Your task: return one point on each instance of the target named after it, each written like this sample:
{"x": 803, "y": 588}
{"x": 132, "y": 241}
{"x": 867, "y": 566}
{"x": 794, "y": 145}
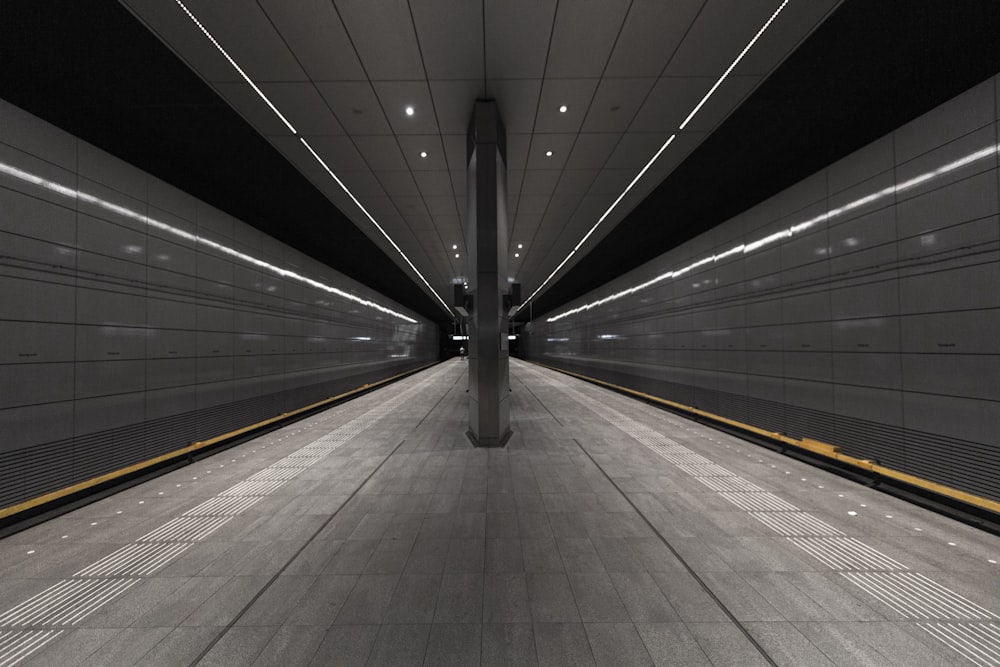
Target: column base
{"x": 489, "y": 442}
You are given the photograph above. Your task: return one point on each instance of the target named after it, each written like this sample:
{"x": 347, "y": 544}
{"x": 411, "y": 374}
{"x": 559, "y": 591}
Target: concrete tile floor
{"x": 576, "y": 544}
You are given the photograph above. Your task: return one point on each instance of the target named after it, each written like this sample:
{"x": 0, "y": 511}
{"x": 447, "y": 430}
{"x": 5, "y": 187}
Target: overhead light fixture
{"x": 653, "y": 159}
{"x": 454, "y": 246}
{"x": 409, "y": 112}
{"x": 520, "y": 245}
{"x": 456, "y": 255}
{"x": 423, "y": 153}
{"x": 563, "y": 109}
{"x": 517, "y": 254}
{"x": 548, "y": 153}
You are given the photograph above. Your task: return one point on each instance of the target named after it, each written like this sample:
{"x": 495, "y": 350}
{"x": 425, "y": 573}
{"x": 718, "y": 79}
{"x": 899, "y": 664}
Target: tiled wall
{"x": 135, "y": 319}
{"x": 859, "y": 307}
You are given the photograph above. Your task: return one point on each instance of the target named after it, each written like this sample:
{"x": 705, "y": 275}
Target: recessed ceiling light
{"x": 563, "y": 109}
{"x": 456, "y": 255}
{"x": 520, "y": 245}
{"x": 409, "y": 111}
{"x": 454, "y": 246}
{"x": 548, "y": 153}
{"x": 423, "y": 153}
{"x": 517, "y": 254}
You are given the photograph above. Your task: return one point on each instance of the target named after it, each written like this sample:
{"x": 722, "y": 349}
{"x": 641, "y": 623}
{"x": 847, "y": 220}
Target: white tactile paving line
{"x": 958, "y": 623}
{"x": 69, "y": 601}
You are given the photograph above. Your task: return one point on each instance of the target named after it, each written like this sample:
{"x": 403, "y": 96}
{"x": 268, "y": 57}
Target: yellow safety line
{"x": 822, "y": 448}
{"x": 193, "y": 447}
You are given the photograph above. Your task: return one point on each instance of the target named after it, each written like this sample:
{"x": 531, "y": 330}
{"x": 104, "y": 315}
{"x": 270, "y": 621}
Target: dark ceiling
{"x": 92, "y": 69}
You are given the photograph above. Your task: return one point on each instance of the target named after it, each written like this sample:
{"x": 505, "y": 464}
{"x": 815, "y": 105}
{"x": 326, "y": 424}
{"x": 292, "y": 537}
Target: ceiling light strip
{"x": 983, "y": 153}
{"x": 311, "y": 151}
{"x": 235, "y": 66}
{"x": 374, "y": 222}
{"x": 142, "y": 218}
{"x": 662, "y": 148}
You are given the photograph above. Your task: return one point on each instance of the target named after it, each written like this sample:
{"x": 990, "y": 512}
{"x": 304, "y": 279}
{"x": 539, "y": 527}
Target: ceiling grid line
{"x": 444, "y": 153}
{"x": 512, "y": 215}
{"x": 621, "y": 136}
{"x": 395, "y": 136}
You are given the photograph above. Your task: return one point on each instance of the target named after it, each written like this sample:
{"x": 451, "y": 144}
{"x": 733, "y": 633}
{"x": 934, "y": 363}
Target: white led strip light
{"x": 79, "y": 195}
{"x": 323, "y": 164}
{"x": 666, "y": 143}
{"x": 981, "y": 154}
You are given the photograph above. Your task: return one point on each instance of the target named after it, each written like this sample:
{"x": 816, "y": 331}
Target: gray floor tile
{"x": 465, "y": 555}
{"x": 127, "y": 647}
{"x": 428, "y": 556}
{"x": 238, "y": 646}
{"x": 551, "y": 598}
{"x": 725, "y": 644}
{"x": 180, "y": 646}
{"x": 504, "y": 555}
{"x": 368, "y": 600}
{"x": 389, "y": 556}
{"x": 541, "y": 555}
{"x": 642, "y": 598}
{"x": 617, "y": 555}
{"x": 616, "y": 644}
{"x": 460, "y": 599}
{"x": 688, "y": 598}
{"x": 414, "y": 599}
{"x": 596, "y": 598}
{"x": 346, "y": 646}
{"x": 508, "y": 644}
{"x": 400, "y": 646}
{"x": 182, "y": 602}
{"x": 505, "y": 599}
{"x": 321, "y": 603}
{"x": 579, "y": 555}
{"x": 226, "y": 602}
{"x": 277, "y": 602}
{"x": 352, "y": 557}
{"x": 457, "y": 645}
{"x": 290, "y": 646}
{"x": 786, "y": 645}
{"x": 672, "y": 644}
{"x": 562, "y": 644}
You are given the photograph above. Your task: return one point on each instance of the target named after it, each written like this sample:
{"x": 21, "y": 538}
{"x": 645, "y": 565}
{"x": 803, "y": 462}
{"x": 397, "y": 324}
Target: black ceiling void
{"x": 869, "y": 68}
{"x": 90, "y": 68}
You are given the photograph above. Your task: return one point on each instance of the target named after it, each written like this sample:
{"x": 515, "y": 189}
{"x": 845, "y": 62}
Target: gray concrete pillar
{"x": 489, "y": 363}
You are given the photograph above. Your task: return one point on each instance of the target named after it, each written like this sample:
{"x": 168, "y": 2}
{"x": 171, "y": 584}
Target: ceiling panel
{"x": 434, "y": 183}
{"x": 396, "y": 96}
{"x": 669, "y": 103}
{"x": 576, "y": 181}
{"x": 450, "y": 33}
{"x": 383, "y": 35}
{"x": 339, "y": 153}
{"x": 615, "y": 103}
{"x": 517, "y": 38}
{"x": 303, "y": 107}
{"x": 415, "y": 145}
{"x": 249, "y": 104}
{"x": 451, "y": 102}
{"x": 517, "y": 100}
{"x": 574, "y": 94}
{"x": 651, "y": 33}
{"x": 559, "y": 145}
{"x": 318, "y": 38}
{"x": 634, "y": 151}
{"x": 362, "y": 184}
{"x": 381, "y": 152}
{"x": 592, "y": 150}
{"x": 540, "y": 182}
{"x": 398, "y": 183}
{"x": 584, "y": 34}
{"x": 441, "y": 205}
{"x": 356, "y": 106}
{"x": 718, "y": 35}
{"x": 249, "y": 37}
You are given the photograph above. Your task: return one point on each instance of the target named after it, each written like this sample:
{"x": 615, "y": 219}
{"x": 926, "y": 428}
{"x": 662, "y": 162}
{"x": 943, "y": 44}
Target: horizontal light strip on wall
{"x": 653, "y": 159}
{"x": 78, "y": 195}
{"x": 291, "y": 129}
{"x": 920, "y": 179}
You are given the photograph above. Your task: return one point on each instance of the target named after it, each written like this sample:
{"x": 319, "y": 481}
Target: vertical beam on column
{"x": 489, "y": 363}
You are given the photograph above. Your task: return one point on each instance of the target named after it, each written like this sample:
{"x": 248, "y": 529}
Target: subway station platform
{"x": 607, "y": 532}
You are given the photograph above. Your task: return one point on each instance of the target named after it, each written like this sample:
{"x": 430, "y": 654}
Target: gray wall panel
{"x": 130, "y": 325}
{"x": 870, "y": 319}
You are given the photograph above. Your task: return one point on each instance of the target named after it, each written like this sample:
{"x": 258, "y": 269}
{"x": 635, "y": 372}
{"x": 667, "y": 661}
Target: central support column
{"x": 489, "y": 363}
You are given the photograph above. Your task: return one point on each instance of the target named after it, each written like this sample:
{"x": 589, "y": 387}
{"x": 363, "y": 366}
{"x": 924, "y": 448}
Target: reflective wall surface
{"x": 135, "y": 319}
{"x": 860, "y": 307}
